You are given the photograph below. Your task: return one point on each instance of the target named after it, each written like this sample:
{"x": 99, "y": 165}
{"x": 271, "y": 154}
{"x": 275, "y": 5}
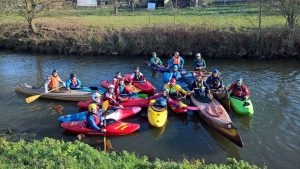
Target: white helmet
{"x": 198, "y": 54}
{"x": 95, "y": 97}
{"x": 111, "y": 86}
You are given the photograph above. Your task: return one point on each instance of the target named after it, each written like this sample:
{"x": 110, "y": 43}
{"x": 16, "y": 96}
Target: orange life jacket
{"x": 54, "y": 82}
{"x": 176, "y": 61}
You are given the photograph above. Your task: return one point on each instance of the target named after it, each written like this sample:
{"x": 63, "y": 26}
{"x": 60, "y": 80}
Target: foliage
{"x": 50, "y": 153}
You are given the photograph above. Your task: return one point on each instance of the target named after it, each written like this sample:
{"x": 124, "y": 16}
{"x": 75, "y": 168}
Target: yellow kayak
{"x": 157, "y": 116}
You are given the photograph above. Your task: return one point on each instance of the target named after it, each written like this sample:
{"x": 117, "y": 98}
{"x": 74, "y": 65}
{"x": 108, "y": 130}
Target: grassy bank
{"x": 50, "y": 153}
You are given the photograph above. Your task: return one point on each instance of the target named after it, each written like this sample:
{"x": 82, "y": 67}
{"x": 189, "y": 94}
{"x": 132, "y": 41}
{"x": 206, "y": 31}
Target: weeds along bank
{"x": 50, "y": 153}
{"x": 213, "y": 43}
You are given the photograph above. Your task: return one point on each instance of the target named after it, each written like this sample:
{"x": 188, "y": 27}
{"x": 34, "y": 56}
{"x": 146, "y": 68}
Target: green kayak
{"x": 241, "y": 107}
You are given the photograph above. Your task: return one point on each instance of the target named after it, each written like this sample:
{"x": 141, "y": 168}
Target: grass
{"x": 50, "y": 153}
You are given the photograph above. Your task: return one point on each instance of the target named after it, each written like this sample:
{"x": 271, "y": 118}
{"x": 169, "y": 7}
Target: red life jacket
{"x": 96, "y": 118}
{"x": 239, "y": 91}
{"x": 176, "y": 61}
{"x": 74, "y": 82}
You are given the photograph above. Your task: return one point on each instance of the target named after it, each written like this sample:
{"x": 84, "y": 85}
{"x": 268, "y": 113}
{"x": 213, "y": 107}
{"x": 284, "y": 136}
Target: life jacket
{"x": 238, "y": 91}
{"x": 215, "y": 82}
{"x": 200, "y": 87}
{"x": 199, "y": 63}
{"x": 73, "y": 83}
{"x": 176, "y": 61}
{"x": 96, "y": 118}
{"x": 173, "y": 91}
{"x": 54, "y": 82}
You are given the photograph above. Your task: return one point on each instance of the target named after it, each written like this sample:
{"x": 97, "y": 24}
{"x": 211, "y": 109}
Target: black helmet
{"x": 54, "y": 71}
{"x": 72, "y": 75}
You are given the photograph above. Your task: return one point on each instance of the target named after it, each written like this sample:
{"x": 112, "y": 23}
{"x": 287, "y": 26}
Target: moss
{"x": 51, "y": 153}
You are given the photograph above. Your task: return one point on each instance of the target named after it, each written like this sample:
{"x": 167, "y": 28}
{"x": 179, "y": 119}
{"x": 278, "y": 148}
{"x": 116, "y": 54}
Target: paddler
{"x": 116, "y": 79}
{"x": 175, "y": 90}
{"x": 53, "y": 82}
{"x": 165, "y": 95}
{"x": 201, "y": 89}
{"x": 176, "y": 60}
{"x": 214, "y": 81}
{"x": 199, "y": 63}
{"x": 137, "y": 75}
{"x": 175, "y": 73}
{"x": 155, "y": 61}
{"x": 73, "y": 83}
{"x": 111, "y": 97}
{"x": 238, "y": 89}
{"x": 121, "y": 89}
{"x": 94, "y": 118}
{"x": 96, "y": 97}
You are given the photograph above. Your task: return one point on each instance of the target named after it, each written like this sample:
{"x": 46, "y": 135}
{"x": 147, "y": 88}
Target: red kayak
{"x": 146, "y": 87}
{"x": 129, "y": 87}
{"x": 131, "y": 102}
{"x": 178, "y": 109}
{"x": 115, "y": 128}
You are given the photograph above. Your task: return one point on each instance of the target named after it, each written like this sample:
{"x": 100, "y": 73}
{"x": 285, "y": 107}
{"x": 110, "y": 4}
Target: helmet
{"x": 54, "y": 71}
{"x": 215, "y": 71}
{"x": 175, "y": 67}
{"x": 239, "y": 80}
{"x": 161, "y": 102}
{"x": 118, "y": 73}
{"x": 173, "y": 80}
{"x": 177, "y": 53}
{"x": 165, "y": 90}
{"x": 95, "y": 96}
{"x": 153, "y": 53}
{"x": 72, "y": 75}
{"x": 198, "y": 54}
{"x": 111, "y": 86}
{"x": 92, "y": 106}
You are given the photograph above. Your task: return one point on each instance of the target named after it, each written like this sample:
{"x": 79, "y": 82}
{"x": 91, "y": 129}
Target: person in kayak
{"x": 111, "y": 97}
{"x": 201, "y": 89}
{"x": 214, "y": 81}
{"x": 165, "y": 95}
{"x": 137, "y": 75}
{"x": 53, "y": 82}
{"x": 160, "y": 102}
{"x": 116, "y": 79}
{"x": 121, "y": 89}
{"x": 175, "y": 90}
{"x": 199, "y": 63}
{"x": 73, "y": 83}
{"x": 175, "y": 73}
{"x": 238, "y": 89}
{"x": 96, "y": 97}
{"x": 176, "y": 60}
{"x": 155, "y": 61}
{"x": 94, "y": 118}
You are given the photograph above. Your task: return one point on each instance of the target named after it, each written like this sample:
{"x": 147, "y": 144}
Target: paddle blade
{"x": 32, "y": 98}
{"x": 192, "y": 108}
{"x": 105, "y": 106}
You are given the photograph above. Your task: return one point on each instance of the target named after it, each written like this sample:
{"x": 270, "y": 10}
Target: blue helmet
{"x": 175, "y": 67}
{"x": 161, "y": 102}
{"x": 215, "y": 71}
{"x": 239, "y": 80}
{"x": 165, "y": 90}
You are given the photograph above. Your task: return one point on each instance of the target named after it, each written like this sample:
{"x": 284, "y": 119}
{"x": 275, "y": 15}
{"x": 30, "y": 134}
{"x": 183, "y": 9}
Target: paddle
{"x": 105, "y": 106}
{"x": 35, "y": 97}
{"x": 212, "y": 99}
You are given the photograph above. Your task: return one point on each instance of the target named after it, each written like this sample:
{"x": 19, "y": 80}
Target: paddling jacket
{"x": 214, "y": 82}
{"x": 137, "y": 77}
{"x": 54, "y": 81}
{"x": 175, "y": 75}
{"x": 93, "y": 120}
{"x": 199, "y": 63}
{"x": 70, "y": 84}
{"x": 174, "y": 90}
{"x": 176, "y": 61}
{"x": 170, "y": 101}
{"x": 111, "y": 98}
{"x": 239, "y": 91}
{"x": 200, "y": 86}
{"x": 155, "y": 61}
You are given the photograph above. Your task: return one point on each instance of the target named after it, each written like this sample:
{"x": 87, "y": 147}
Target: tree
{"x": 116, "y": 6}
{"x": 30, "y": 8}
{"x": 290, "y": 10}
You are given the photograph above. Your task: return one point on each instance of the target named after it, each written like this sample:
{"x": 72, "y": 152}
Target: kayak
{"x": 179, "y": 109}
{"x": 129, "y": 87}
{"x": 158, "y": 68}
{"x": 113, "y": 128}
{"x": 214, "y": 114}
{"x": 181, "y": 83}
{"x": 72, "y": 95}
{"x": 240, "y": 106}
{"x": 131, "y": 102}
{"x": 157, "y": 116}
{"x": 118, "y": 114}
{"x": 146, "y": 87}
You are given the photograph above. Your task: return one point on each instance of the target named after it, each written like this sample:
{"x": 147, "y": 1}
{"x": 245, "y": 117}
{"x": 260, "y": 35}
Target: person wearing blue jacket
{"x": 94, "y": 120}
{"x": 199, "y": 63}
{"x": 176, "y": 60}
{"x": 73, "y": 83}
{"x": 175, "y": 73}
{"x": 214, "y": 81}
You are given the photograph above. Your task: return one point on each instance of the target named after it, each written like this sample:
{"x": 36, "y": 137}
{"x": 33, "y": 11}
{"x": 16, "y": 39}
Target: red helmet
{"x": 172, "y": 80}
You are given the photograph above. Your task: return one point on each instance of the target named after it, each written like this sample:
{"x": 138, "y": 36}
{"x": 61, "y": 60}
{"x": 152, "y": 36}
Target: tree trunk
{"x": 132, "y": 5}
{"x": 116, "y": 7}
{"x": 31, "y": 24}
{"x": 196, "y": 3}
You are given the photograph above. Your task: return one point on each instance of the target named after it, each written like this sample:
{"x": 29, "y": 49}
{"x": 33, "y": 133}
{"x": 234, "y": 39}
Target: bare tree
{"x": 289, "y": 9}
{"x": 116, "y": 6}
{"x": 30, "y": 8}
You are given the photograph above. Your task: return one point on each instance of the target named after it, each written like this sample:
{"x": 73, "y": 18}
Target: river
{"x": 271, "y": 137}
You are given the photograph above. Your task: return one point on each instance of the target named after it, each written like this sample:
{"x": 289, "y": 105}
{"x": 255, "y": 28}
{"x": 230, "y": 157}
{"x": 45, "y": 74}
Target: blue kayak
{"x": 181, "y": 83}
